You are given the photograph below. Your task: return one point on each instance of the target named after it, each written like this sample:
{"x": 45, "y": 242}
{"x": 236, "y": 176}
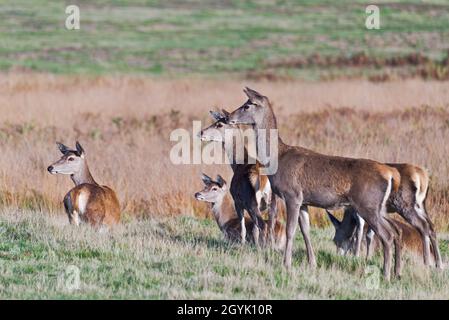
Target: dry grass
{"x": 124, "y": 124}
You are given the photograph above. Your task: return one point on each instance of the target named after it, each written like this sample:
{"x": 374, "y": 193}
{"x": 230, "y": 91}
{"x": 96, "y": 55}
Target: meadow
{"x": 139, "y": 69}
{"x": 168, "y": 245}
{"x": 268, "y": 39}
{"x": 185, "y": 258}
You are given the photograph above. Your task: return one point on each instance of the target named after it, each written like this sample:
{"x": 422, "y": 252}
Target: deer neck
{"x": 83, "y": 176}
{"x": 223, "y": 210}
{"x": 269, "y": 123}
{"x": 232, "y": 151}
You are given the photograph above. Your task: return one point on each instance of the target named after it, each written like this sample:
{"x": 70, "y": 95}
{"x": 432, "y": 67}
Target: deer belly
{"x": 325, "y": 199}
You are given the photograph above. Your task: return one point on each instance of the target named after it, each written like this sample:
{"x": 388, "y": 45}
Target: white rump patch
{"x": 387, "y": 195}
{"x": 259, "y": 196}
{"x": 267, "y": 191}
{"x": 82, "y": 202}
{"x": 420, "y": 196}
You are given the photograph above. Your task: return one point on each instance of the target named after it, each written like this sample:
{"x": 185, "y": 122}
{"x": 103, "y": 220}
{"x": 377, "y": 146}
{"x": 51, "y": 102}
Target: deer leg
{"x": 433, "y": 239}
{"x": 413, "y": 217}
{"x": 292, "y": 207}
{"x": 375, "y": 221}
{"x": 272, "y": 218}
{"x": 259, "y": 224}
{"x": 397, "y": 246}
{"x": 359, "y": 236}
{"x": 369, "y": 243}
{"x": 241, "y": 216}
{"x": 436, "y": 250}
{"x": 304, "y": 224}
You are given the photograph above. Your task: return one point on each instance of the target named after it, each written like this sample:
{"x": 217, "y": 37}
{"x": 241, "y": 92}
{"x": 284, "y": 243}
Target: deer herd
{"x": 367, "y": 190}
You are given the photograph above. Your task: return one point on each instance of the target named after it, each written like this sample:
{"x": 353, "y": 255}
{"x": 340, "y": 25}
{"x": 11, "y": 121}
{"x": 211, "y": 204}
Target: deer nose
{"x": 197, "y": 195}
{"x": 50, "y": 169}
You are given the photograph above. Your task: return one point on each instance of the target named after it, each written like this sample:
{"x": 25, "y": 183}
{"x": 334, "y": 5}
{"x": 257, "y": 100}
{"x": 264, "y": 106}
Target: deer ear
{"x": 226, "y": 114}
{"x": 62, "y": 147}
{"x": 206, "y": 179}
{"x": 217, "y": 116}
{"x": 334, "y": 220}
{"x": 80, "y": 149}
{"x": 221, "y": 182}
{"x": 253, "y": 95}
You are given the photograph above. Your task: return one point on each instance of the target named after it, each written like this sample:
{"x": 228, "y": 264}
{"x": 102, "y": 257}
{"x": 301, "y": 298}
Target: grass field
{"x": 185, "y": 258}
{"x": 175, "y": 38}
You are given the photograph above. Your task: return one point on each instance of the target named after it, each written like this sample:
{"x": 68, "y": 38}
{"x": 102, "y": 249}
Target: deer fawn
{"x": 305, "y": 177}
{"x": 409, "y": 202}
{"x": 87, "y": 201}
{"x": 346, "y": 234}
{"x": 250, "y": 190}
{"x": 216, "y": 193}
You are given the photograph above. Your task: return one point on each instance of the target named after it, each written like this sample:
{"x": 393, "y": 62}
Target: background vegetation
{"x": 257, "y": 38}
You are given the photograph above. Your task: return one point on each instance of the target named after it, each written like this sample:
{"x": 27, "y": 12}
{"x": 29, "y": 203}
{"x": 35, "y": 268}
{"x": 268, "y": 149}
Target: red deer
{"x": 87, "y": 201}
{"x": 250, "y": 190}
{"x": 216, "y": 193}
{"x": 346, "y": 233}
{"x": 409, "y": 202}
{"x": 305, "y": 177}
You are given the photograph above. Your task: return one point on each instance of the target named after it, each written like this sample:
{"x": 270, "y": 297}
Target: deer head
{"x": 213, "y": 191}
{"x": 344, "y": 237}
{"x": 253, "y": 111}
{"x": 71, "y": 162}
{"x": 216, "y": 131}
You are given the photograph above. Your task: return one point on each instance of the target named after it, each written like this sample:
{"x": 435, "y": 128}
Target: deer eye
{"x": 214, "y": 188}
{"x": 219, "y": 125}
{"x": 71, "y": 159}
{"x": 246, "y": 106}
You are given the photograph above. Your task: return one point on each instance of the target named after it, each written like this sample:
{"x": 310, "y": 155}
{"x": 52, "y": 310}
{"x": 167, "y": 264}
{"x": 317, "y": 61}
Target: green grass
{"x": 178, "y": 38}
{"x": 184, "y": 257}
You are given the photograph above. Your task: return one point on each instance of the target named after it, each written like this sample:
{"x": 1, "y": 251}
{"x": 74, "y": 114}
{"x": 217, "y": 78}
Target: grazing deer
{"x": 409, "y": 202}
{"x": 216, "y": 193}
{"x": 250, "y": 190}
{"x": 346, "y": 233}
{"x": 87, "y": 201}
{"x": 305, "y": 177}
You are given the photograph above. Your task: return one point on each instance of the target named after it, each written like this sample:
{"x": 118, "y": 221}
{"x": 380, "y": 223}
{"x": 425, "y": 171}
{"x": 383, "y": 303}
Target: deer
{"x": 308, "y": 178}
{"x": 87, "y": 202}
{"x": 346, "y": 233}
{"x": 250, "y": 190}
{"x": 216, "y": 193}
{"x": 409, "y": 202}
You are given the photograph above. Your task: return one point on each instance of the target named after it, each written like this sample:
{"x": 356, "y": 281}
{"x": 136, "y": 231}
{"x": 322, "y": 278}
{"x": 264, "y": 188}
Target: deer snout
{"x": 199, "y": 196}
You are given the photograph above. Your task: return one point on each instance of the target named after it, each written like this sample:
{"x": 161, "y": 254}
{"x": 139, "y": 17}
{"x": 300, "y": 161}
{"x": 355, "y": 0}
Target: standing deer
{"x": 409, "y": 202}
{"x": 346, "y": 233}
{"x": 305, "y": 177}
{"x": 87, "y": 201}
{"x": 216, "y": 193}
{"x": 250, "y": 190}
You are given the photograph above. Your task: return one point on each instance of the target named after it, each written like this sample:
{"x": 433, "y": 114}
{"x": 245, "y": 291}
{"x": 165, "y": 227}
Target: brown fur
{"x": 305, "y": 177}
{"x": 87, "y": 201}
{"x": 411, "y": 239}
{"x": 102, "y": 205}
{"x": 247, "y": 184}
{"x": 225, "y": 215}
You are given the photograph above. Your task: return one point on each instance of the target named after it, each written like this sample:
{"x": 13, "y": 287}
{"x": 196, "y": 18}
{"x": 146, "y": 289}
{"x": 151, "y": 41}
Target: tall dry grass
{"x": 124, "y": 124}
